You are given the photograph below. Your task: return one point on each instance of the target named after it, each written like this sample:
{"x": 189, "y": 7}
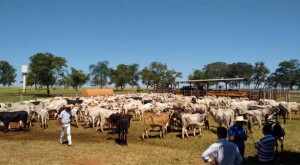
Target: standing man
{"x": 237, "y": 134}
{"x": 265, "y": 146}
{"x": 65, "y": 120}
{"x": 222, "y": 152}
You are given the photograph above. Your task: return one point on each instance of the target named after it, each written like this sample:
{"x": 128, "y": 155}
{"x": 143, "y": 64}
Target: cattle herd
{"x": 151, "y": 109}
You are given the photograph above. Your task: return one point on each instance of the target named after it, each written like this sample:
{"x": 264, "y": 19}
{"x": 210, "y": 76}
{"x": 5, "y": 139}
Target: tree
{"x": 288, "y": 73}
{"x": 169, "y": 78}
{"x": 43, "y": 67}
{"x": 7, "y": 73}
{"x": 298, "y": 79}
{"x": 100, "y": 72}
{"x": 157, "y": 69}
{"x": 147, "y": 77}
{"x": 77, "y": 78}
{"x": 260, "y": 72}
{"x": 273, "y": 80}
{"x": 60, "y": 71}
{"x": 158, "y": 74}
{"x": 31, "y": 80}
{"x": 215, "y": 70}
{"x": 196, "y": 75}
{"x": 238, "y": 70}
{"x": 134, "y": 75}
{"x": 120, "y": 76}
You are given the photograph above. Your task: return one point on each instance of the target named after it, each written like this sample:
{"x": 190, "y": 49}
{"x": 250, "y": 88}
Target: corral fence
{"x": 272, "y": 94}
{"x": 275, "y": 94}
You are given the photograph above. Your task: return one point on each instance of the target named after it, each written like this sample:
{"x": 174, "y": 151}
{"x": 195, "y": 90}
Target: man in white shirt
{"x": 65, "y": 120}
{"x": 222, "y": 152}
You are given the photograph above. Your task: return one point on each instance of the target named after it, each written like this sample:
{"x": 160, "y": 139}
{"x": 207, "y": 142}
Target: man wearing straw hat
{"x": 237, "y": 134}
{"x": 65, "y": 119}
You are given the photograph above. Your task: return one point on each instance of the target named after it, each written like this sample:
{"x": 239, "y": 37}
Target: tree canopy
{"x": 76, "y": 78}
{"x": 158, "y": 75}
{"x": 215, "y": 70}
{"x": 7, "y": 73}
{"x": 240, "y": 69}
{"x": 99, "y": 73}
{"x": 119, "y": 76}
{"x": 287, "y": 74}
{"x": 43, "y": 67}
{"x": 46, "y": 69}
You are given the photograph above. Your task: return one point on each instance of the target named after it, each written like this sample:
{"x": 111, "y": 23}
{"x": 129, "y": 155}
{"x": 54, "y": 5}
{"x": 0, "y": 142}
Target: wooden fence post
{"x": 287, "y": 96}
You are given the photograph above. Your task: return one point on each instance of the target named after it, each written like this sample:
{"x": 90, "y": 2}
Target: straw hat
{"x": 67, "y": 106}
{"x": 240, "y": 118}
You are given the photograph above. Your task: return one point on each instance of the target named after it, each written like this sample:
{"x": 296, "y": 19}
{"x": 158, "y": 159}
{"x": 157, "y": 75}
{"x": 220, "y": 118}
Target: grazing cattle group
{"x": 152, "y": 110}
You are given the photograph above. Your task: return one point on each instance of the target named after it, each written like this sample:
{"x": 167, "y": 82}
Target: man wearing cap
{"x": 65, "y": 119}
{"x": 237, "y": 134}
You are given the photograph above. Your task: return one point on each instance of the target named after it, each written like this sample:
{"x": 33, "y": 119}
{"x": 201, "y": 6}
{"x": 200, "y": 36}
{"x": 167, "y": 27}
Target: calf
{"x": 43, "y": 113}
{"x": 16, "y": 116}
{"x": 153, "y": 120}
{"x": 196, "y": 119}
{"x": 113, "y": 120}
{"x": 122, "y": 128}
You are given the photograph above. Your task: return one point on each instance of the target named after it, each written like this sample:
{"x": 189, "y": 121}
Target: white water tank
{"x": 24, "y": 69}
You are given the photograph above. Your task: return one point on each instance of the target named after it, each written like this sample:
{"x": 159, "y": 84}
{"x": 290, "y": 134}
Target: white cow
{"x": 288, "y": 107}
{"x": 196, "y": 119}
{"x": 43, "y": 113}
{"x": 222, "y": 116}
{"x": 91, "y": 113}
{"x": 144, "y": 108}
{"x": 75, "y": 111}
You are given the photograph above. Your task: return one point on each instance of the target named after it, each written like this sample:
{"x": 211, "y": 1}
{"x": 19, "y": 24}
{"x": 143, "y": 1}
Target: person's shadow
{"x": 286, "y": 157}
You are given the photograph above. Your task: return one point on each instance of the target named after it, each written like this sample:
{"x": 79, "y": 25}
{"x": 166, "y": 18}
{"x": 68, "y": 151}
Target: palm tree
{"x": 99, "y": 73}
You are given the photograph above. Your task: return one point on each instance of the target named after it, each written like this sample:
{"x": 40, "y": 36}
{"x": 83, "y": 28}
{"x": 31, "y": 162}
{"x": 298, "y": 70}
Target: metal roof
{"x": 212, "y": 80}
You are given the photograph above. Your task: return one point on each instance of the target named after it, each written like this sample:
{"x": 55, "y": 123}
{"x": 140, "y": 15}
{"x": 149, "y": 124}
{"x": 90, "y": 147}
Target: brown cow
{"x": 153, "y": 120}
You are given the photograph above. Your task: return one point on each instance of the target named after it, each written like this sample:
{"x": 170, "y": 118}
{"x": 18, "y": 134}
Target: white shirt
{"x": 65, "y": 116}
{"x": 224, "y": 152}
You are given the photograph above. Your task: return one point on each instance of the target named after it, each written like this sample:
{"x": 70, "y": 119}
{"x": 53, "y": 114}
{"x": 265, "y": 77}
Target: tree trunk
{"x": 48, "y": 90}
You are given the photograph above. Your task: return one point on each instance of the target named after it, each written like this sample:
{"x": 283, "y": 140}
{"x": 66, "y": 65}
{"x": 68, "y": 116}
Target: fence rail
{"x": 275, "y": 94}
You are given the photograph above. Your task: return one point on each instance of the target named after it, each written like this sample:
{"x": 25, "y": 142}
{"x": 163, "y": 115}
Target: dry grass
{"x": 39, "y": 146}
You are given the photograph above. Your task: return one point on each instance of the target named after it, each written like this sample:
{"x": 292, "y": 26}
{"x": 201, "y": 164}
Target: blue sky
{"x": 186, "y": 35}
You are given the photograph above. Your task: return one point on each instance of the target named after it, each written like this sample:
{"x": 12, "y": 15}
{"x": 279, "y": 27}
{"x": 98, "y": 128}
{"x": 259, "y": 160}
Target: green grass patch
{"x": 15, "y": 94}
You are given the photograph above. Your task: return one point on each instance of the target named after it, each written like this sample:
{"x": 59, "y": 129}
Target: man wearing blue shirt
{"x": 237, "y": 134}
{"x": 266, "y": 145}
{"x": 65, "y": 120}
